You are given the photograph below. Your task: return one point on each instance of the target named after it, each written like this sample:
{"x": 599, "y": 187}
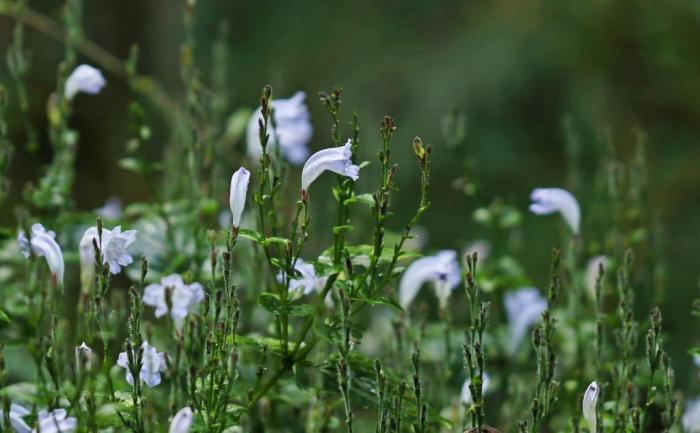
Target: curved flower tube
{"x": 524, "y": 308}
{"x": 292, "y": 128}
{"x": 43, "y": 244}
{"x": 550, "y": 200}
{"x": 335, "y": 159}
{"x": 182, "y": 421}
{"x": 590, "y": 399}
{"x": 442, "y": 270}
{"x": 85, "y": 79}
{"x": 237, "y": 194}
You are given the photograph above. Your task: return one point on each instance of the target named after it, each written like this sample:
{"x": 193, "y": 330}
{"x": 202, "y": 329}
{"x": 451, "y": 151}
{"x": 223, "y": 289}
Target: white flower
{"x": 183, "y": 297}
{"x": 182, "y": 421}
{"x": 691, "y": 416}
{"x": 152, "y": 363}
{"x": 112, "y": 209}
{"x": 524, "y": 308}
{"x": 442, "y": 270}
{"x": 83, "y": 356}
{"x": 335, "y": 159}
{"x": 113, "y": 247}
{"x": 592, "y": 273}
{"x": 43, "y": 243}
{"x": 590, "y": 399}
{"x": 308, "y": 281}
{"x": 550, "y": 200}
{"x": 84, "y": 79}
{"x": 466, "y": 395}
{"x": 292, "y": 128}
{"x": 239, "y": 190}
{"x": 17, "y": 413}
{"x": 55, "y": 421}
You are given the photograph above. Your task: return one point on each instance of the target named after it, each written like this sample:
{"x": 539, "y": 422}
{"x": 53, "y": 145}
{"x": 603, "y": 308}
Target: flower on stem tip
{"x": 239, "y": 190}
{"x": 292, "y": 128}
{"x": 590, "y": 399}
{"x": 152, "y": 363}
{"x": 86, "y": 79}
{"x": 550, "y": 200}
{"x": 442, "y": 270}
{"x": 335, "y": 159}
{"x": 524, "y": 308}
{"x": 17, "y": 413}
{"x": 43, "y": 244}
{"x": 183, "y": 297}
{"x": 56, "y": 421}
{"x": 182, "y": 421}
{"x": 113, "y": 246}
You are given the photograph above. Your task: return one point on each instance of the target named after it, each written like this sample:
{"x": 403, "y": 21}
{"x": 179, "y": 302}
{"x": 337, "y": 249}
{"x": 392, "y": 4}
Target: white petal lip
{"x": 442, "y": 266}
{"x": 182, "y": 421}
{"x": 43, "y": 244}
{"x": 85, "y": 79}
{"x": 524, "y": 308}
{"x": 335, "y": 159}
{"x": 237, "y": 195}
{"x": 550, "y": 200}
{"x": 293, "y": 129}
{"x": 590, "y": 399}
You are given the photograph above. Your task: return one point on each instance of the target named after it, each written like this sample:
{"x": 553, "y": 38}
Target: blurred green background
{"x": 517, "y": 70}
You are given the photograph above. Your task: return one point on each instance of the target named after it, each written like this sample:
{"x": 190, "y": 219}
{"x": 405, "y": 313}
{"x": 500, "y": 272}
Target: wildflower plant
{"x": 277, "y": 284}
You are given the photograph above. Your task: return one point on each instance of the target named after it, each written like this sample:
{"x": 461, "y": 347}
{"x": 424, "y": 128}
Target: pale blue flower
{"x": 335, "y": 159}
{"x": 152, "y": 363}
{"x": 56, "y": 421}
{"x": 292, "y": 128}
{"x": 524, "y": 308}
{"x": 691, "y": 416}
{"x": 442, "y": 270}
{"x": 85, "y": 79}
{"x": 183, "y": 297}
{"x": 237, "y": 194}
{"x": 43, "y": 244}
{"x": 182, "y": 421}
{"x": 551, "y": 200}
{"x": 590, "y": 399}
{"x": 17, "y": 414}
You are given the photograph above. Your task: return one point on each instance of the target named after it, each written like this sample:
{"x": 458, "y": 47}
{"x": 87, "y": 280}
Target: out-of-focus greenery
{"x": 530, "y": 78}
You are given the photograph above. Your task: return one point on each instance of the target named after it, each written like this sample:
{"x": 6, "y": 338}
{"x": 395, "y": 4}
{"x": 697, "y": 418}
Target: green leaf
{"x": 4, "y": 318}
{"x": 270, "y": 302}
{"x": 250, "y": 234}
{"x": 275, "y": 240}
{"x": 365, "y": 199}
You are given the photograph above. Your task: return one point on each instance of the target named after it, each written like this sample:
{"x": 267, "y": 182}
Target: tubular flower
{"x": 183, "y": 297}
{"x": 590, "y": 399}
{"x": 86, "y": 79}
{"x": 152, "y": 363}
{"x": 441, "y": 269}
{"x": 292, "y": 128}
{"x": 43, "y": 243}
{"x": 182, "y": 421}
{"x": 114, "y": 251}
{"x": 550, "y": 200}
{"x": 524, "y": 308}
{"x": 239, "y": 190}
{"x": 335, "y": 159}
{"x": 56, "y": 421}
{"x": 466, "y": 395}
{"x": 17, "y": 413}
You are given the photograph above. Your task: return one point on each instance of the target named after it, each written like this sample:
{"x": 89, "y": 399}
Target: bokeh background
{"x": 530, "y": 77}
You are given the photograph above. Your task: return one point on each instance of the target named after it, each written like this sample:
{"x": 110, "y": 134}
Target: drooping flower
{"x": 239, "y": 190}
{"x": 292, "y": 128}
{"x": 86, "y": 79}
{"x": 183, "y": 297}
{"x": 114, "y": 251}
{"x": 442, "y": 270}
{"x": 43, "y": 244}
{"x": 691, "y": 416}
{"x": 335, "y": 159}
{"x": 590, "y": 399}
{"x": 83, "y": 357}
{"x": 591, "y": 275}
{"x": 152, "y": 363}
{"x": 182, "y": 421}
{"x": 466, "y": 395}
{"x": 17, "y": 413}
{"x": 550, "y": 200}
{"x": 56, "y": 421}
{"x": 524, "y": 308}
